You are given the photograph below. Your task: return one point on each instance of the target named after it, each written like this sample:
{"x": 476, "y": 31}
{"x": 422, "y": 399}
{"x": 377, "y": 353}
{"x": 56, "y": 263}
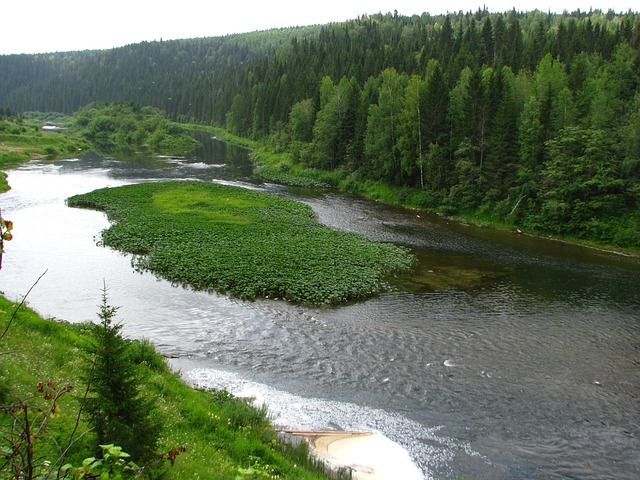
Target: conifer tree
{"x": 117, "y": 411}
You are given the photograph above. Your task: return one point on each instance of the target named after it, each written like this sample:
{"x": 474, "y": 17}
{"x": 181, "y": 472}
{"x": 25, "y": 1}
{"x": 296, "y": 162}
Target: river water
{"x": 501, "y": 357}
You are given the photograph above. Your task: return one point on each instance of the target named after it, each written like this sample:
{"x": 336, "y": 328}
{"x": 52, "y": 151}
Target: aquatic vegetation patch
{"x": 242, "y": 242}
{"x": 189, "y": 199}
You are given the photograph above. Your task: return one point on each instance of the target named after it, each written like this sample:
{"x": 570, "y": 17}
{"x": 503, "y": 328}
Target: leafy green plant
{"x": 132, "y": 127}
{"x": 114, "y": 464}
{"x": 5, "y": 234}
{"x": 244, "y": 242}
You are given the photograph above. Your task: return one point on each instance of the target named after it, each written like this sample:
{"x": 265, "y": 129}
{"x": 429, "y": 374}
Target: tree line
{"x": 527, "y": 118}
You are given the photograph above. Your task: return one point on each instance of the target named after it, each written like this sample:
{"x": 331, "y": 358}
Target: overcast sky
{"x": 38, "y": 26}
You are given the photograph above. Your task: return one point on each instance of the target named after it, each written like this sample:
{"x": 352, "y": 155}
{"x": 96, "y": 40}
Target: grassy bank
{"x": 224, "y": 437}
{"x": 22, "y": 139}
{"x": 243, "y": 242}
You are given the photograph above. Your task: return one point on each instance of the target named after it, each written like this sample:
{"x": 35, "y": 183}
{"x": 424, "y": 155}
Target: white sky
{"x": 38, "y": 26}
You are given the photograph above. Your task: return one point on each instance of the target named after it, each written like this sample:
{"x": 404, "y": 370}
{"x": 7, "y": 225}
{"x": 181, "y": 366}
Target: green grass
{"x": 235, "y": 139}
{"x": 21, "y": 141}
{"x": 247, "y": 243}
{"x": 279, "y": 168}
{"x": 225, "y": 437}
{"x": 4, "y": 185}
{"x": 222, "y": 209}
{"x": 41, "y": 143}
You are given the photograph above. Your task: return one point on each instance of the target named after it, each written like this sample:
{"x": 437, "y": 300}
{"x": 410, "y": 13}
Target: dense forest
{"x": 526, "y": 118}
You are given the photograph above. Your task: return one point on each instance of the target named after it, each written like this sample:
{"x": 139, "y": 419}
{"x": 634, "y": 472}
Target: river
{"x": 502, "y": 356}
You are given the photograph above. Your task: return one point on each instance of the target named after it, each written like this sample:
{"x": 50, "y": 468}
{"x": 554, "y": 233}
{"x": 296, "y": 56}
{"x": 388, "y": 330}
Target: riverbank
{"x": 363, "y": 455}
{"x": 220, "y": 434}
{"x": 24, "y": 140}
{"x": 223, "y": 437}
{"x": 278, "y": 167}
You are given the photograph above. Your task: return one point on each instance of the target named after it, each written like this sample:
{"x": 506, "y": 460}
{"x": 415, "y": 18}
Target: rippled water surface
{"x": 502, "y": 356}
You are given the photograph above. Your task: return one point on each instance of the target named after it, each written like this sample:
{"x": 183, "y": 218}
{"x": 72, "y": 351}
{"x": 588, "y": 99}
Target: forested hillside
{"x": 531, "y": 119}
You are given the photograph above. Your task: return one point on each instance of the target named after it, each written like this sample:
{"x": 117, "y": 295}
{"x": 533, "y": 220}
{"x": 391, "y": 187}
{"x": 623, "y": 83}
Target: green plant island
{"x": 242, "y": 242}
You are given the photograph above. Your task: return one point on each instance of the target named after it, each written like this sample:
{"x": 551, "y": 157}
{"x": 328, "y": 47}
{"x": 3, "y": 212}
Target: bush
{"x": 142, "y": 352}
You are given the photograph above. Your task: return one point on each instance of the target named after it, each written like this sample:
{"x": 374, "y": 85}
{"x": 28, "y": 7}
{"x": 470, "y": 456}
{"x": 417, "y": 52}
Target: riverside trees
{"x": 470, "y": 108}
{"x": 129, "y": 126}
{"x": 534, "y": 140}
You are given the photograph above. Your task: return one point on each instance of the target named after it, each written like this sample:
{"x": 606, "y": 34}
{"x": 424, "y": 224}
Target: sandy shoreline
{"x": 369, "y": 455}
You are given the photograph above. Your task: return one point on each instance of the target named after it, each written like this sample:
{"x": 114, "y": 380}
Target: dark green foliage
{"x": 142, "y": 352}
{"x": 466, "y": 107}
{"x": 382, "y": 155}
{"x": 116, "y": 407}
{"x": 247, "y": 243}
{"x": 580, "y": 184}
{"x": 301, "y": 119}
{"x": 128, "y": 126}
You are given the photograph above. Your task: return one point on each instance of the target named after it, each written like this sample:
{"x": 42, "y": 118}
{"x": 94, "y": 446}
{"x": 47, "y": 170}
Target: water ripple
{"x": 429, "y": 450}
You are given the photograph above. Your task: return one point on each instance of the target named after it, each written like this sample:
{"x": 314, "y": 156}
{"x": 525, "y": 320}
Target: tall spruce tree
{"x": 117, "y": 410}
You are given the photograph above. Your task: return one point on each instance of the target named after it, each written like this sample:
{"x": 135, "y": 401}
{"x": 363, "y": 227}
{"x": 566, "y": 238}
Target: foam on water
{"x": 429, "y": 451}
{"x": 199, "y": 165}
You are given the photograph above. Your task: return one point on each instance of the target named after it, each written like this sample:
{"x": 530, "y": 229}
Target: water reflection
{"x": 212, "y": 160}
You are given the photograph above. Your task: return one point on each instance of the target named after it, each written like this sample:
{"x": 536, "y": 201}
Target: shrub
{"x": 142, "y": 352}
